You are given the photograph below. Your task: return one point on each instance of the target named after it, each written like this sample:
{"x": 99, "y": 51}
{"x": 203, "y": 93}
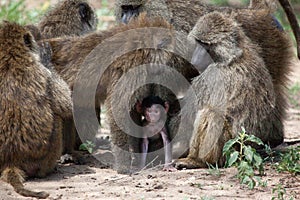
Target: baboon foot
{"x": 169, "y": 168}
{"x": 188, "y": 163}
{"x": 75, "y": 157}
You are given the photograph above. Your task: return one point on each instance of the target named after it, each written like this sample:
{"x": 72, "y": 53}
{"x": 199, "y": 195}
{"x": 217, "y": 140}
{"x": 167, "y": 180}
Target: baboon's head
{"x": 17, "y": 45}
{"x": 125, "y": 10}
{"x": 219, "y": 35}
{"x": 72, "y": 17}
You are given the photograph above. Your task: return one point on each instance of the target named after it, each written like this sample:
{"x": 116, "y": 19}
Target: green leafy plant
{"x": 87, "y": 146}
{"x": 16, "y": 11}
{"x": 240, "y": 154}
{"x": 281, "y": 192}
{"x": 290, "y": 161}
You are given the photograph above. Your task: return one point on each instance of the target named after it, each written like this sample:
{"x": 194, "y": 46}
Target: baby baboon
{"x": 70, "y": 53}
{"x": 68, "y": 17}
{"x": 236, "y": 91}
{"x": 258, "y": 25}
{"x": 155, "y": 111}
{"x": 30, "y": 139}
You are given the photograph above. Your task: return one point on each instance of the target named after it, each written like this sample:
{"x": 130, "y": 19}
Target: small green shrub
{"x": 87, "y": 146}
{"x": 246, "y": 159}
{"x": 281, "y": 192}
{"x": 290, "y": 161}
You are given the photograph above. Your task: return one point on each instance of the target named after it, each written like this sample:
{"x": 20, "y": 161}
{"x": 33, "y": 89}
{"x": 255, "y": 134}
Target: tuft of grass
{"x": 214, "y": 170}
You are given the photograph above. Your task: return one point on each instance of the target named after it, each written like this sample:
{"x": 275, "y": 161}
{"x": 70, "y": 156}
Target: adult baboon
{"x": 30, "y": 139}
{"x": 258, "y": 24}
{"x": 69, "y": 55}
{"x": 234, "y": 92}
{"x": 67, "y": 18}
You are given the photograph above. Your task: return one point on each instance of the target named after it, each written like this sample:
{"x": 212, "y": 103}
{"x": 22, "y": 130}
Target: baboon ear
{"x": 28, "y": 41}
{"x": 138, "y": 107}
{"x": 84, "y": 11}
{"x": 167, "y": 106}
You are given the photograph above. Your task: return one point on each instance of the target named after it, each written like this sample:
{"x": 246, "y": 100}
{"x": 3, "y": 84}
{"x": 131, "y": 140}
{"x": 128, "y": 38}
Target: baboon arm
{"x": 293, "y": 21}
{"x": 61, "y": 97}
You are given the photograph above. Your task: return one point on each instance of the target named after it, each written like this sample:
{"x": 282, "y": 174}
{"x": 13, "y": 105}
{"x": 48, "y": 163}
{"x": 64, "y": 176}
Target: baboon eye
{"x": 27, "y": 40}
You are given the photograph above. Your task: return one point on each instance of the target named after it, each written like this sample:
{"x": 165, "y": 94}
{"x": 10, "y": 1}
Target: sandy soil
{"x": 95, "y": 181}
{"x": 89, "y": 182}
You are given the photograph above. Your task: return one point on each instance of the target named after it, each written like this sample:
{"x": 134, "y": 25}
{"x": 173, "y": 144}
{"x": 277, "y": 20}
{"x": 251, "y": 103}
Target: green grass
{"x": 16, "y": 11}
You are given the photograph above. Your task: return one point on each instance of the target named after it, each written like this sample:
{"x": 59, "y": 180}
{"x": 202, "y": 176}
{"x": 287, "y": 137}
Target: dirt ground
{"x": 94, "y": 181}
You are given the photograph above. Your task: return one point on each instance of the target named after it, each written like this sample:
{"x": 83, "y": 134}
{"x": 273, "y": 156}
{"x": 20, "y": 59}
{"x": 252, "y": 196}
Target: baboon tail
{"x": 290, "y": 13}
{"x": 15, "y": 177}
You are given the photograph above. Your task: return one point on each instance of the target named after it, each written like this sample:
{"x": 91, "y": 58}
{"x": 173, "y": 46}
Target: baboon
{"x": 69, "y": 54}
{"x": 67, "y": 18}
{"x": 30, "y": 139}
{"x": 234, "y": 92}
{"x": 258, "y": 24}
{"x": 155, "y": 110}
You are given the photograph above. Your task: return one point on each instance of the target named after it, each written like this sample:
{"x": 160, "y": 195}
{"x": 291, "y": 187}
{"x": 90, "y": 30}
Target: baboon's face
{"x": 129, "y": 11}
{"x": 154, "y": 113}
{"x": 217, "y": 33}
{"x": 87, "y": 16}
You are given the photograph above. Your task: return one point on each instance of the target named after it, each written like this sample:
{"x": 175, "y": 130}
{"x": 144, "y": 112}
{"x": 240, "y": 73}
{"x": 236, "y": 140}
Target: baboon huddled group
{"x": 243, "y": 84}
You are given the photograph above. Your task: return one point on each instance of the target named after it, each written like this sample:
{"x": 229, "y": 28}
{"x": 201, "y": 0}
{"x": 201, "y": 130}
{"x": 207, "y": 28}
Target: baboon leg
{"x": 207, "y": 141}
{"x": 121, "y": 151}
{"x": 124, "y": 146}
{"x": 68, "y": 136}
{"x": 15, "y": 177}
{"x": 71, "y": 143}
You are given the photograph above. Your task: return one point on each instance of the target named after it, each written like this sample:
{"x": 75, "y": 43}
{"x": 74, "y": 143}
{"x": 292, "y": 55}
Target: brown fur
{"x": 236, "y": 91}
{"x": 68, "y": 17}
{"x": 30, "y": 139}
{"x": 258, "y": 25}
{"x": 263, "y": 4}
{"x": 69, "y": 54}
